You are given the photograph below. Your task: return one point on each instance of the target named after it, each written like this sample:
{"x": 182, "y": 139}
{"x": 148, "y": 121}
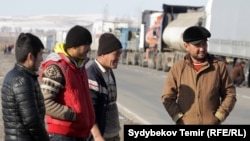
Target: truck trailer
{"x": 102, "y": 26}
{"x": 129, "y": 37}
{"x": 161, "y": 43}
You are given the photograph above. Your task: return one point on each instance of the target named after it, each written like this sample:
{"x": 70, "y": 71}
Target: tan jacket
{"x": 203, "y": 97}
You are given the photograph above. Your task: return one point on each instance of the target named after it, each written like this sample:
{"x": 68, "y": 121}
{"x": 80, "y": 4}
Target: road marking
{"x": 130, "y": 113}
{"x": 248, "y": 97}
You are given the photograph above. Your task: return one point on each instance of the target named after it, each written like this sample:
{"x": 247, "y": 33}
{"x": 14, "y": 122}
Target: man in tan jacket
{"x": 198, "y": 89}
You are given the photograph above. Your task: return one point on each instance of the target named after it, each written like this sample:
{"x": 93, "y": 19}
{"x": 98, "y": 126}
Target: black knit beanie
{"x": 108, "y": 43}
{"x": 78, "y": 36}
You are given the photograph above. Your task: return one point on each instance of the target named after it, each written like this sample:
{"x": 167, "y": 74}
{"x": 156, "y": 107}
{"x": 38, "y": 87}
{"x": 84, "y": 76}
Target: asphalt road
{"x": 139, "y": 92}
{"x": 139, "y": 97}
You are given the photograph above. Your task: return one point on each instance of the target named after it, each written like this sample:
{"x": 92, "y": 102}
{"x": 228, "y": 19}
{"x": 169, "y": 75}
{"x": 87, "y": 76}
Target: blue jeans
{"x": 57, "y": 137}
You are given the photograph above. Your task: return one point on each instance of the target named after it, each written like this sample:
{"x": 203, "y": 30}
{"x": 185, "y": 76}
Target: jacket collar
{"x": 26, "y": 70}
{"x": 209, "y": 59}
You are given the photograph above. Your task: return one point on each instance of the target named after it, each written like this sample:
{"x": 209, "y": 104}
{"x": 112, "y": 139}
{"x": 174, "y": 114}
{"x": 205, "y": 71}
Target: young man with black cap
{"x": 198, "y": 89}
{"x": 103, "y": 89}
{"x": 64, "y": 84}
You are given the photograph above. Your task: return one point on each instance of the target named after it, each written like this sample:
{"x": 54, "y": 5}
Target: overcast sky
{"x": 117, "y": 8}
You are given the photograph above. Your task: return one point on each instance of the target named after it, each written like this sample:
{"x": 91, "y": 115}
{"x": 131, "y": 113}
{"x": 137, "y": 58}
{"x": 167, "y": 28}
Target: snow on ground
{"x": 49, "y": 22}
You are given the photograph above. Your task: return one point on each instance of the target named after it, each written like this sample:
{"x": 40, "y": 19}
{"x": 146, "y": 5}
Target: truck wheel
{"x": 158, "y": 66}
{"x": 135, "y": 58}
{"x": 159, "y": 62}
{"x": 123, "y": 60}
{"x": 165, "y": 68}
{"x": 132, "y": 58}
{"x": 127, "y": 59}
{"x": 140, "y": 61}
{"x": 151, "y": 64}
{"x": 144, "y": 63}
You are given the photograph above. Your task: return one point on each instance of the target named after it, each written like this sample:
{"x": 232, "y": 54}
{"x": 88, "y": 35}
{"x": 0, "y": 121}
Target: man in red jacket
{"x": 69, "y": 110}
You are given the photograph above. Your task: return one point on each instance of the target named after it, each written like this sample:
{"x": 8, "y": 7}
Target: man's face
{"x": 81, "y": 52}
{"x": 37, "y": 61}
{"x": 197, "y": 51}
{"x": 111, "y": 59}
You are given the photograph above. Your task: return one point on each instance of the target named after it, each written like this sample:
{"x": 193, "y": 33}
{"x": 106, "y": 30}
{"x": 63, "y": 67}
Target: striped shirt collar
{"x": 101, "y": 67}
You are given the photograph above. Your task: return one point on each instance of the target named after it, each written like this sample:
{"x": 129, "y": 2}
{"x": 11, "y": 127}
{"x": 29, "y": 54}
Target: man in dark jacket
{"x": 103, "y": 89}
{"x": 237, "y": 73}
{"x": 22, "y": 101}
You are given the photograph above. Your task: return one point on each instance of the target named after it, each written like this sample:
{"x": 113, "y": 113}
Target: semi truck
{"x": 161, "y": 43}
{"x": 103, "y": 26}
{"x": 129, "y": 37}
{"x": 154, "y": 51}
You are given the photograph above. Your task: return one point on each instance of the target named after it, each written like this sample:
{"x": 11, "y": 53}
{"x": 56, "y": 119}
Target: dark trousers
{"x": 238, "y": 81}
{"x": 248, "y": 78}
{"x": 115, "y": 138}
{"x": 57, "y": 137}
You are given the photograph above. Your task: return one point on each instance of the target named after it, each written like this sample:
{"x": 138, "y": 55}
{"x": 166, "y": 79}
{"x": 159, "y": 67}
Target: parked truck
{"x": 101, "y": 26}
{"x": 138, "y": 53}
{"x": 129, "y": 37}
{"x": 161, "y": 42}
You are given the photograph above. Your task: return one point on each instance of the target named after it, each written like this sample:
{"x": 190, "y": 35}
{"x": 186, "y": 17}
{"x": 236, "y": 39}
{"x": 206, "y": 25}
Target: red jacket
{"x": 76, "y": 96}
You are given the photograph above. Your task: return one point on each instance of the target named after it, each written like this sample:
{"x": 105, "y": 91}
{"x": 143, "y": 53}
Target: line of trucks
{"x": 158, "y": 43}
